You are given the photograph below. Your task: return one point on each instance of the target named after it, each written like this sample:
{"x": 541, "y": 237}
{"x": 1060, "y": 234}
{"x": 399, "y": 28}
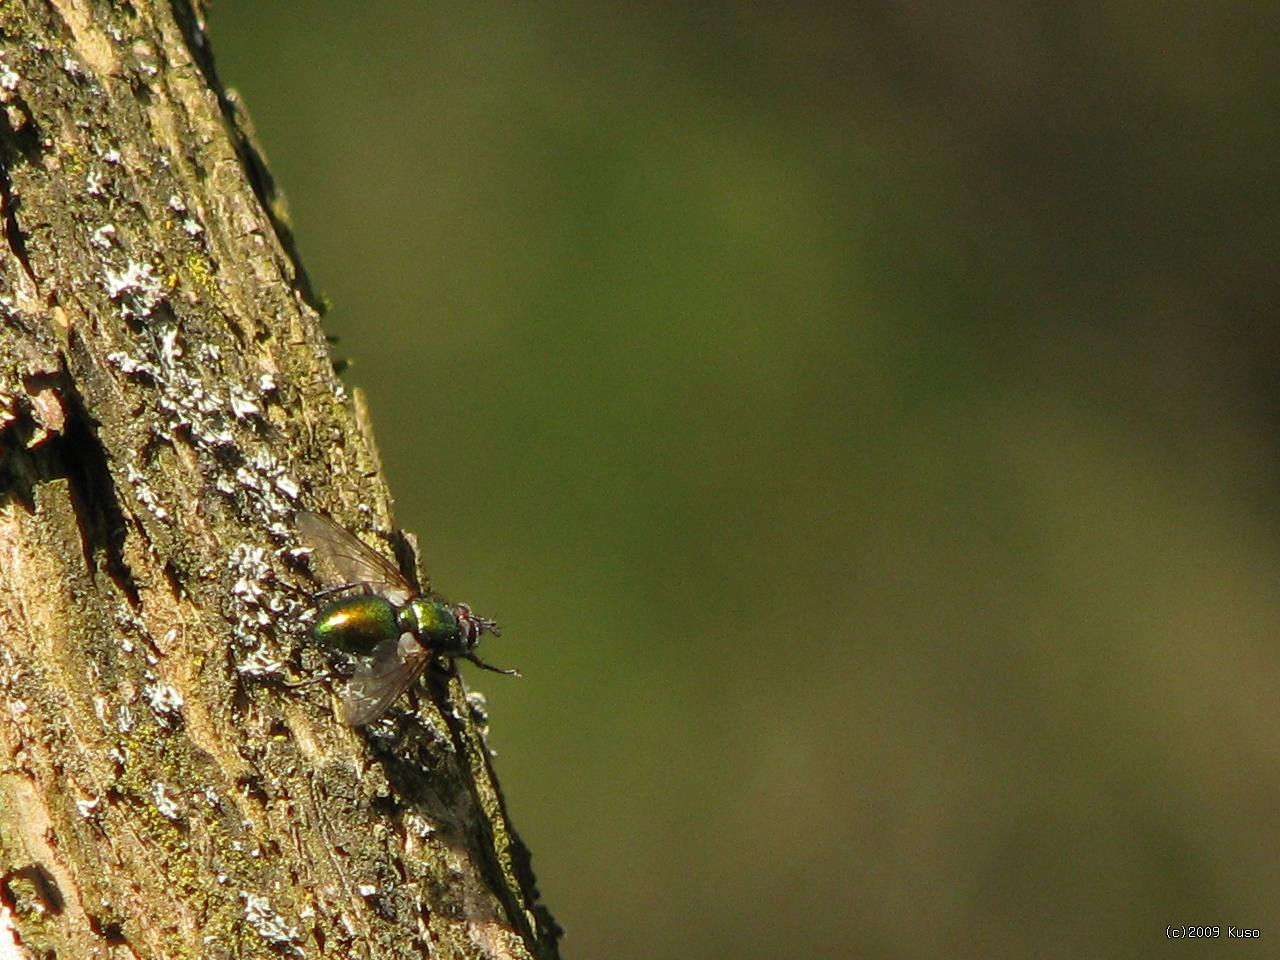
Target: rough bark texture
{"x": 167, "y": 401}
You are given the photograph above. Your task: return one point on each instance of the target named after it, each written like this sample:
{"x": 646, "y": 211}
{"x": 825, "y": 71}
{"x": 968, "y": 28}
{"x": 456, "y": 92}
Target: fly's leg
{"x": 356, "y": 588}
{"x": 506, "y": 672}
{"x": 296, "y": 684}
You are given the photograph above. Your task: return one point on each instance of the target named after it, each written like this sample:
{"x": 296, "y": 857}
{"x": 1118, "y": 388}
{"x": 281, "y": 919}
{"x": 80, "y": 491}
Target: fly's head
{"x": 471, "y": 627}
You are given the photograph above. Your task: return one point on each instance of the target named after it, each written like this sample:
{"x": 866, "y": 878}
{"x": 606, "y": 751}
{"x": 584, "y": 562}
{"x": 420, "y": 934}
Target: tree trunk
{"x": 167, "y": 402}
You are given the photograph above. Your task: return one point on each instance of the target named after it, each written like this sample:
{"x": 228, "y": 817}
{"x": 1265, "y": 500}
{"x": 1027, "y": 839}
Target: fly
{"x": 382, "y": 619}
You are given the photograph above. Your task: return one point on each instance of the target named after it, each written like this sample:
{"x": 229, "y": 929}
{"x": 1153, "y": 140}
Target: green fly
{"x": 371, "y": 611}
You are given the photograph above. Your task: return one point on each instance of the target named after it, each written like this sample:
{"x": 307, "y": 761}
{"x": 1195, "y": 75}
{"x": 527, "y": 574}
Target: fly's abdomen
{"x": 356, "y": 624}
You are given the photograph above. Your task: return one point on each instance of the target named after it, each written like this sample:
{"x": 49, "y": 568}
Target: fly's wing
{"x": 393, "y": 666}
{"x": 339, "y": 559}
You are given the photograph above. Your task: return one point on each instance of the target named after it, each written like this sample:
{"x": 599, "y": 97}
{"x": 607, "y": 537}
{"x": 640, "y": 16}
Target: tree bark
{"x": 167, "y": 402}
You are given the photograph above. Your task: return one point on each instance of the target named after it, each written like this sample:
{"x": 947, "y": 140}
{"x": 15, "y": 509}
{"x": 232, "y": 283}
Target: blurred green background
{"x": 863, "y": 419}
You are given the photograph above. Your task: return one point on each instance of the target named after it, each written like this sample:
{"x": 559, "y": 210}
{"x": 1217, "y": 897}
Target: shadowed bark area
{"x": 167, "y": 402}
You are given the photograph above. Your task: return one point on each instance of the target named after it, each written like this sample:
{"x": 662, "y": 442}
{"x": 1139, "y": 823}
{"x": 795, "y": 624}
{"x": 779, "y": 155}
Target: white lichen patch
{"x": 129, "y": 623}
{"x": 143, "y": 492}
{"x": 132, "y": 366}
{"x": 249, "y": 562}
{"x": 9, "y": 80}
{"x": 288, "y": 486}
{"x": 244, "y": 406}
{"x": 73, "y": 69}
{"x": 166, "y": 703}
{"x": 418, "y": 825}
{"x": 270, "y": 925}
{"x": 348, "y": 925}
{"x": 170, "y": 348}
{"x": 258, "y": 486}
{"x": 136, "y": 289}
{"x": 417, "y": 830}
{"x": 260, "y": 663}
{"x": 190, "y": 225}
{"x": 166, "y": 806}
{"x": 258, "y": 604}
{"x": 103, "y": 237}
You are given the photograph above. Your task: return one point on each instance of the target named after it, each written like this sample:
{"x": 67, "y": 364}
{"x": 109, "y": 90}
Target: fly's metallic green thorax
{"x": 437, "y": 625}
{"x": 379, "y": 617}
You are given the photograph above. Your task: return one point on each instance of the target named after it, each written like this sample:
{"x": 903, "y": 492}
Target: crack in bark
{"x": 75, "y": 454}
{"x": 9, "y": 203}
{"x": 43, "y": 885}
{"x": 20, "y": 140}
{"x": 93, "y": 495}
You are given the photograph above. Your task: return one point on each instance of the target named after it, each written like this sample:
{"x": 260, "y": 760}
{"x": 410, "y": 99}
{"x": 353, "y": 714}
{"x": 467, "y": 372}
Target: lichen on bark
{"x": 167, "y": 402}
